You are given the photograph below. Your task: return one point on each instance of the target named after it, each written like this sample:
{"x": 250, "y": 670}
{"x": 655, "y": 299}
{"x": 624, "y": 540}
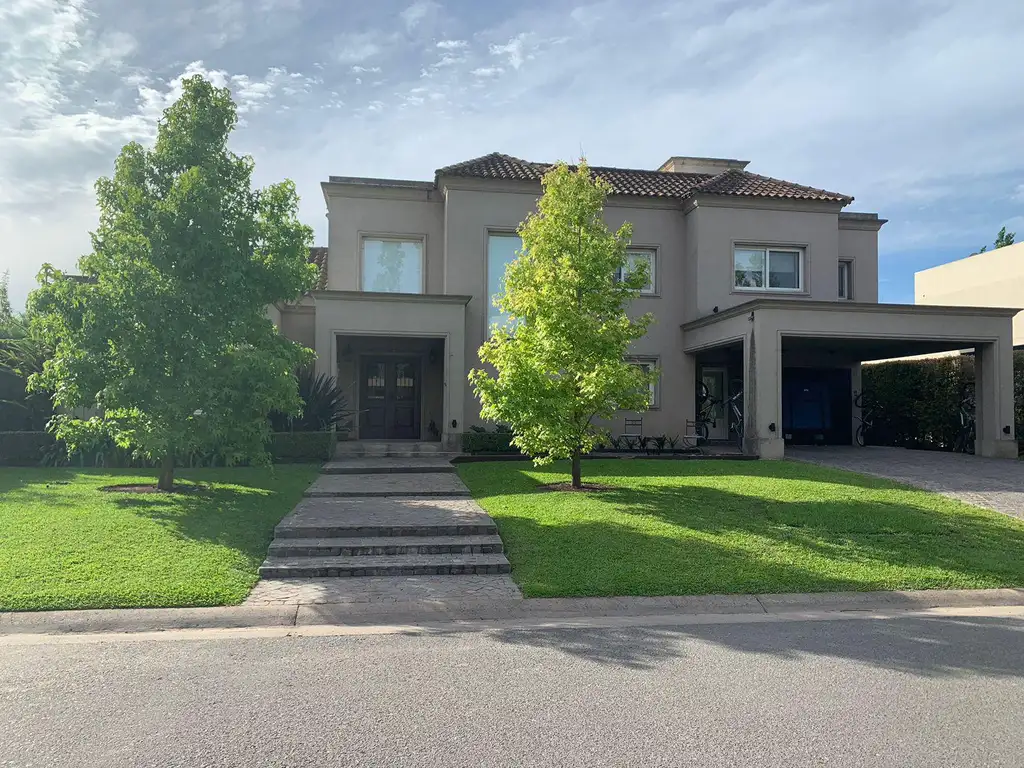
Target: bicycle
{"x": 706, "y": 406}
{"x": 866, "y": 417}
{"x": 734, "y": 405}
{"x": 964, "y": 442}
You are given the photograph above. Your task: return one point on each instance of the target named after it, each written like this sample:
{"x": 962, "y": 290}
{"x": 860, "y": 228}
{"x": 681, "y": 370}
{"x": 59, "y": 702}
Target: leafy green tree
{"x": 6, "y": 315}
{"x": 165, "y": 331}
{"x": 1003, "y": 239}
{"x": 560, "y": 362}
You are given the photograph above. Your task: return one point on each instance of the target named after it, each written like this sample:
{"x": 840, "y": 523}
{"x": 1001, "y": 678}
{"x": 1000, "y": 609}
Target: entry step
{"x": 386, "y": 545}
{"x": 394, "y": 565}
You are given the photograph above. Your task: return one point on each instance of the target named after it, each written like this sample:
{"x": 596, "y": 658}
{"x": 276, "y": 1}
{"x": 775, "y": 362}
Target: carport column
{"x": 856, "y": 384}
{"x": 762, "y": 398}
{"x": 993, "y": 387}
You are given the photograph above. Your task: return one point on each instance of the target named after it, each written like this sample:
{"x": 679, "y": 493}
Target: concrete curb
{"x": 511, "y": 610}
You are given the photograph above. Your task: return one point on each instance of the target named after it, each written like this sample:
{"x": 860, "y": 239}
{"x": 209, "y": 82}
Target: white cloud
{"x": 452, "y": 45}
{"x": 414, "y": 15}
{"x": 487, "y": 71}
{"x": 512, "y": 51}
{"x": 360, "y": 69}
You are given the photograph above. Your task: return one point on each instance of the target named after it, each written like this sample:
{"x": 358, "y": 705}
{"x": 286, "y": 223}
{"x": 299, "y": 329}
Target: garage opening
{"x": 817, "y": 406}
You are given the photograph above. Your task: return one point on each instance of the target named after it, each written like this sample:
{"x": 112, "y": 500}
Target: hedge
{"x": 34, "y": 448}
{"x": 302, "y": 446}
{"x": 917, "y": 401}
{"x": 488, "y": 442}
{"x": 24, "y": 449}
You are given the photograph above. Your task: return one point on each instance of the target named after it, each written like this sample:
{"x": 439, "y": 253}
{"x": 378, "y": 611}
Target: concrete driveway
{"x": 993, "y": 483}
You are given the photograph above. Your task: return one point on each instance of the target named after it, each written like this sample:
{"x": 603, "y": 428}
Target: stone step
{"x": 386, "y": 545}
{"x": 326, "y": 530}
{"x": 389, "y": 484}
{"x": 395, "y": 565}
{"x": 374, "y": 449}
{"x": 358, "y": 465}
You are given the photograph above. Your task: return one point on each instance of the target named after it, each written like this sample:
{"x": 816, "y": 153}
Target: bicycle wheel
{"x": 703, "y": 393}
{"x": 860, "y": 435}
{"x": 702, "y": 430}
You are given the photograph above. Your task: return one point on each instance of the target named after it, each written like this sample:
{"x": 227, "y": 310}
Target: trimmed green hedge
{"x": 488, "y": 442}
{"x": 24, "y": 449}
{"x": 917, "y": 401}
{"x": 302, "y": 446}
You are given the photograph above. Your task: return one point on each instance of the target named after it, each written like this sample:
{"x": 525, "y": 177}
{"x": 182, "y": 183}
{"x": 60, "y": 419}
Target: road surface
{"x": 910, "y": 691}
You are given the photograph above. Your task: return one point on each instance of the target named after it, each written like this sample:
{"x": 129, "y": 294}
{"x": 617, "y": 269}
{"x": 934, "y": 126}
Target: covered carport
{"x": 801, "y": 364}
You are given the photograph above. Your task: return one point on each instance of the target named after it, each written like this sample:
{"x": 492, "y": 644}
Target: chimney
{"x": 710, "y": 165}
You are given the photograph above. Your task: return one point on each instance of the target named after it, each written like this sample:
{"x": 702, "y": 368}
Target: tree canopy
{"x": 560, "y": 363}
{"x": 1003, "y": 239}
{"x": 165, "y": 331}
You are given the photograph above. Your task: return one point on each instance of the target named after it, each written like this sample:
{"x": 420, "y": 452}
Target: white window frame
{"x": 651, "y": 289}
{"x": 848, "y": 264}
{"x": 801, "y": 253}
{"x": 651, "y": 363}
{"x": 488, "y": 297}
{"x": 392, "y": 238}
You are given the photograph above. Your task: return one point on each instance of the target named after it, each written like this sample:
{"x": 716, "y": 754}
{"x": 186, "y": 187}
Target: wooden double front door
{"x": 389, "y": 398}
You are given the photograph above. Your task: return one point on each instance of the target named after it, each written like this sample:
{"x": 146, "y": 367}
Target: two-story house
{"x": 757, "y": 285}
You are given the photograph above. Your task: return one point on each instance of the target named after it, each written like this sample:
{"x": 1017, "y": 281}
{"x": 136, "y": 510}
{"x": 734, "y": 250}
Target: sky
{"x": 916, "y": 107}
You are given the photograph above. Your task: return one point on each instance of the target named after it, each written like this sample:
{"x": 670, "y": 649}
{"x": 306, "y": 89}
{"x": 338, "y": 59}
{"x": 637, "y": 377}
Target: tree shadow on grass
{"x": 692, "y": 539}
{"x": 924, "y": 646}
{"x": 241, "y": 517}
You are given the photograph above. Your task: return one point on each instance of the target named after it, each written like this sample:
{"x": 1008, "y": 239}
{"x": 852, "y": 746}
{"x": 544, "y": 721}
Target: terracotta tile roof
{"x": 645, "y": 183}
{"x": 318, "y": 256}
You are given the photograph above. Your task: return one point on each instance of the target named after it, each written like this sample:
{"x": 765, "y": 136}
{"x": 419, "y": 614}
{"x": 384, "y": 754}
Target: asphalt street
{"x": 910, "y": 691}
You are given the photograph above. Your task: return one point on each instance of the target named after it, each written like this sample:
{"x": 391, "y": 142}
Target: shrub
{"x": 478, "y": 440}
{"x": 302, "y": 446}
{"x": 324, "y": 405}
{"x": 23, "y": 449}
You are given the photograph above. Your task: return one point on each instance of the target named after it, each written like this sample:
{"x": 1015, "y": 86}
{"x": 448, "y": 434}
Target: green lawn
{"x": 66, "y": 544}
{"x": 706, "y": 527}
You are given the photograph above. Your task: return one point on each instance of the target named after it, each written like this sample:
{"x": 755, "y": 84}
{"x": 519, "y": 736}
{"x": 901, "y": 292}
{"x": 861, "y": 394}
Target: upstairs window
{"x": 502, "y": 249}
{"x": 392, "y": 265}
{"x": 648, "y": 364}
{"x": 768, "y": 269}
{"x": 845, "y": 280}
{"x": 634, "y": 257}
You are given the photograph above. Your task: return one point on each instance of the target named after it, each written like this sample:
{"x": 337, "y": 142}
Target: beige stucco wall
{"x": 391, "y": 315}
{"x": 991, "y": 279}
{"x": 859, "y": 245}
{"x": 299, "y": 324}
{"x": 721, "y": 225}
{"x": 354, "y": 211}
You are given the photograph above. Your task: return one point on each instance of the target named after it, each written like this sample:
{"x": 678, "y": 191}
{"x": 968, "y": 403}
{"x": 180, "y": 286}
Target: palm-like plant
{"x": 22, "y": 354}
{"x": 324, "y": 405}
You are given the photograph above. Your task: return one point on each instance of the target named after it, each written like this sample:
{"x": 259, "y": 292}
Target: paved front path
{"x": 992, "y": 483}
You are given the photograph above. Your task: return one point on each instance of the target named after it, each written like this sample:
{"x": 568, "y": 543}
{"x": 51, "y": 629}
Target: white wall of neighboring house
{"x": 990, "y": 279}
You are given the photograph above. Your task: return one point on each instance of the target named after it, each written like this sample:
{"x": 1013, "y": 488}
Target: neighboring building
{"x": 990, "y": 279}
{"x": 755, "y": 283}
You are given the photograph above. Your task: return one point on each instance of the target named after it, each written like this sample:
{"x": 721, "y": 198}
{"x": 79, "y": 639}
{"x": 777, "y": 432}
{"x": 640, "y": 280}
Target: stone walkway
{"x": 385, "y": 530}
{"x": 996, "y": 484}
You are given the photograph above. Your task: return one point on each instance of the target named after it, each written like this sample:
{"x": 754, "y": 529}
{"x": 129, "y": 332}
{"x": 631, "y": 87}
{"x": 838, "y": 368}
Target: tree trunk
{"x": 166, "y": 480}
{"x": 576, "y": 480}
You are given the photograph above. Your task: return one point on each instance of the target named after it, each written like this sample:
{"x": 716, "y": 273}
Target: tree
{"x": 6, "y": 315}
{"x": 1003, "y": 238}
{"x": 165, "y": 331}
{"x": 560, "y": 362}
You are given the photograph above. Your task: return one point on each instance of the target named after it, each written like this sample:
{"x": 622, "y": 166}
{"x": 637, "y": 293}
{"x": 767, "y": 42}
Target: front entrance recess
{"x": 389, "y": 398}
{"x": 716, "y": 382}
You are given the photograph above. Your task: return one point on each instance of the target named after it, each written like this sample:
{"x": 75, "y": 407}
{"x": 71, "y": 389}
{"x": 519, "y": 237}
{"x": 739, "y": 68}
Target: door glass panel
{"x": 405, "y": 382}
{"x": 714, "y": 380}
{"x": 375, "y": 381}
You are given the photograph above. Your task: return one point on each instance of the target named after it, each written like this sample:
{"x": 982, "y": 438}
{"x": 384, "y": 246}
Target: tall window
{"x": 635, "y": 257}
{"x": 648, "y": 364}
{"x": 845, "y": 280}
{"x": 392, "y": 265}
{"x": 501, "y": 250}
{"x": 768, "y": 269}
